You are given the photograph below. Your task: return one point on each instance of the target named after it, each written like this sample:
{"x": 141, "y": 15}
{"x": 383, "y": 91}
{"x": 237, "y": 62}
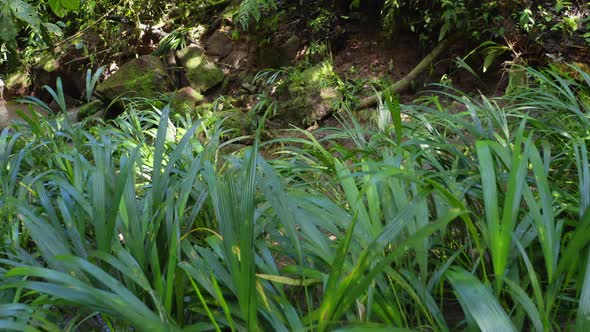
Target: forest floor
{"x": 361, "y": 55}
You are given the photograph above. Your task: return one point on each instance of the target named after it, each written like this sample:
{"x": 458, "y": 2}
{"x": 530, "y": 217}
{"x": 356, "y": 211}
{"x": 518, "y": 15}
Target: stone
{"x": 185, "y": 99}
{"x": 219, "y": 44}
{"x": 290, "y": 48}
{"x": 312, "y": 95}
{"x": 144, "y": 77}
{"x": 17, "y": 84}
{"x": 201, "y": 72}
{"x": 89, "y": 109}
{"x": 271, "y": 56}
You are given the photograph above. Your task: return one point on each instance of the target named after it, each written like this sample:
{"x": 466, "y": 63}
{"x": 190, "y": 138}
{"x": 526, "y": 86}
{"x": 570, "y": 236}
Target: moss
{"x": 201, "y": 72}
{"x": 312, "y": 94}
{"x": 17, "y": 84}
{"x": 50, "y": 65}
{"x": 566, "y": 69}
{"x": 237, "y": 123}
{"x": 185, "y": 99}
{"x": 89, "y": 109}
{"x": 18, "y": 78}
{"x": 144, "y": 77}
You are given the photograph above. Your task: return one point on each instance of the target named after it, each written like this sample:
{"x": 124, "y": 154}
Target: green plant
{"x": 91, "y": 81}
{"x": 253, "y": 9}
{"x": 62, "y": 7}
{"x": 57, "y": 95}
{"x": 454, "y": 213}
{"x": 176, "y": 40}
{"x": 12, "y": 13}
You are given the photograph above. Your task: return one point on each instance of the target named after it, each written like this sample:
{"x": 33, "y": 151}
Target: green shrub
{"x": 141, "y": 223}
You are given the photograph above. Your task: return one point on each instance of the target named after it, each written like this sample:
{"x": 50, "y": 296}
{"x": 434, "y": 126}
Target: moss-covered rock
{"x": 236, "y": 122}
{"x": 144, "y": 77}
{"x": 185, "y": 99}
{"x": 201, "y": 72}
{"x": 311, "y": 95}
{"x": 219, "y": 44}
{"x": 17, "y": 84}
{"x": 89, "y": 109}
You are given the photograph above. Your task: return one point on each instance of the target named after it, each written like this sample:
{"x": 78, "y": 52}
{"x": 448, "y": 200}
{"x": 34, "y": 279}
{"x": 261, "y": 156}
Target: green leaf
{"x": 478, "y": 302}
{"x": 287, "y": 281}
{"x": 26, "y": 13}
{"x": 8, "y": 31}
{"x": 53, "y": 29}
{"x": 70, "y": 4}
{"x": 57, "y": 8}
{"x": 583, "y": 315}
{"x": 373, "y": 328}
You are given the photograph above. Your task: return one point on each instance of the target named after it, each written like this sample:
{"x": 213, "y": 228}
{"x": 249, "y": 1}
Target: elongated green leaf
{"x": 478, "y": 302}
{"x": 373, "y": 327}
{"x": 583, "y": 314}
{"x": 521, "y": 297}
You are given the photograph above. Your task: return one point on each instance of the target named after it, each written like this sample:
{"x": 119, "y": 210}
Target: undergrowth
{"x": 442, "y": 218}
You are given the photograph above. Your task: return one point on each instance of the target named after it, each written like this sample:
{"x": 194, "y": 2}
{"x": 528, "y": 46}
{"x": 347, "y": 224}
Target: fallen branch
{"x": 405, "y": 82}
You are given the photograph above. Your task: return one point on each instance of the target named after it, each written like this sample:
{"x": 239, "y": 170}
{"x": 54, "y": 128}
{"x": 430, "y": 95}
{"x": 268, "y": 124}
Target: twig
{"x": 87, "y": 56}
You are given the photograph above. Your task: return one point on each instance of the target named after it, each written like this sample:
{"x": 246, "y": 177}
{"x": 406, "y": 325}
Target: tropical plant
{"x": 451, "y": 213}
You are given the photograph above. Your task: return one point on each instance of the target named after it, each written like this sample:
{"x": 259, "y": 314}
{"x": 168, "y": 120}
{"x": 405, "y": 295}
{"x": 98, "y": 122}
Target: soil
{"x": 360, "y": 52}
{"x": 366, "y": 56}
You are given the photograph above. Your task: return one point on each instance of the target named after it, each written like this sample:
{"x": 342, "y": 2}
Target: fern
{"x": 253, "y": 9}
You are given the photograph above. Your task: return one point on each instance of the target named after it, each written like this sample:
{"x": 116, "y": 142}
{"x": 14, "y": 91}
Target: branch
{"x": 404, "y": 83}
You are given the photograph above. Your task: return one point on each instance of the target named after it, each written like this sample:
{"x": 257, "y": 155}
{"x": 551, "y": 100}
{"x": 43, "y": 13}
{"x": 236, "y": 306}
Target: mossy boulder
{"x": 201, "y": 72}
{"x": 276, "y": 54}
{"x": 219, "y": 44}
{"x": 185, "y": 99}
{"x": 311, "y": 95}
{"x": 90, "y": 109}
{"x": 17, "y": 84}
{"x": 144, "y": 77}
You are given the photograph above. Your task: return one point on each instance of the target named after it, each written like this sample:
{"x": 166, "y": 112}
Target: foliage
{"x": 143, "y": 223}
{"x": 57, "y": 95}
{"x": 253, "y": 9}
{"x": 13, "y": 12}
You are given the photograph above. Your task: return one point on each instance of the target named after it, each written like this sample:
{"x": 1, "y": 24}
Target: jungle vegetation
{"x": 406, "y": 204}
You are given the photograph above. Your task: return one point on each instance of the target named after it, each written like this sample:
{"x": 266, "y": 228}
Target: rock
{"x": 17, "y": 84}
{"x": 219, "y": 44}
{"x": 89, "y": 109}
{"x": 56, "y": 108}
{"x": 249, "y": 88}
{"x": 272, "y": 56}
{"x": 201, "y": 72}
{"x": 144, "y": 77}
{"x": 312, "y": 95}
{"x": 290, "y": 48}
{"x": 236, "y": 122}
{"x": 185, "y": 99}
